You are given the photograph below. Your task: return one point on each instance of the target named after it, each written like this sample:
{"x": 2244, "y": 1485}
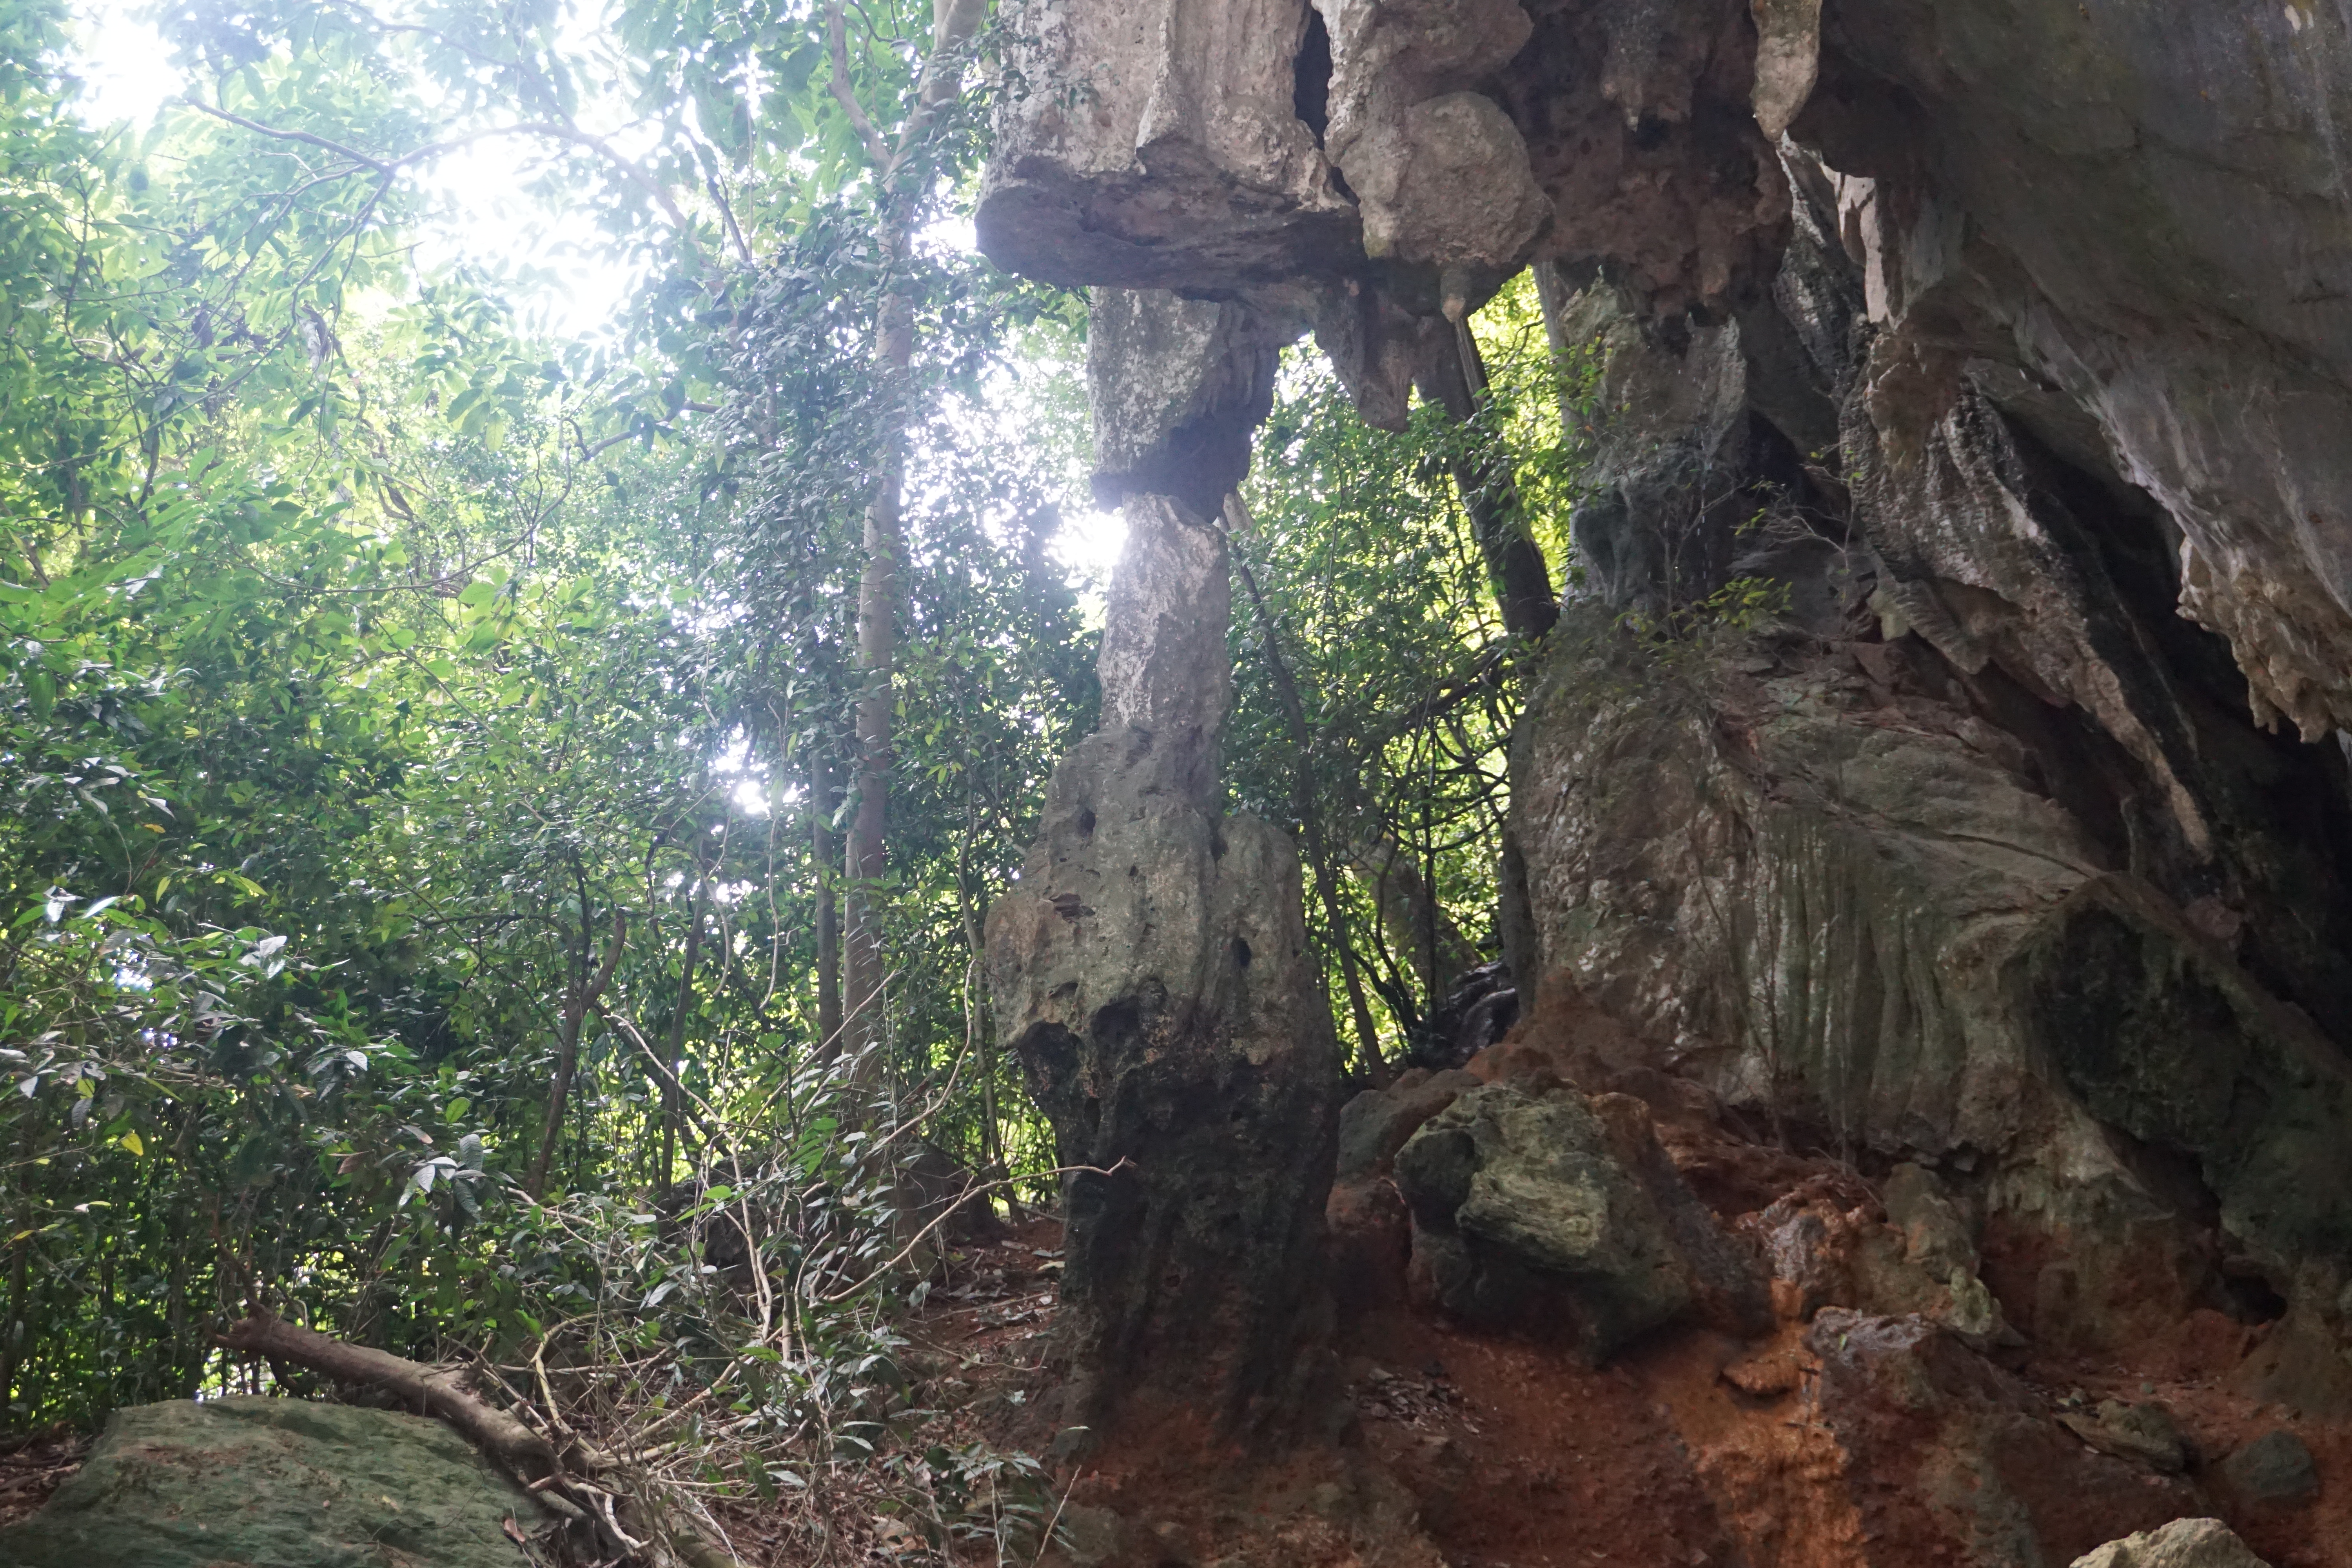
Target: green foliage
{"x": 1402, "y": 769}
{"x": 361, "y": 661}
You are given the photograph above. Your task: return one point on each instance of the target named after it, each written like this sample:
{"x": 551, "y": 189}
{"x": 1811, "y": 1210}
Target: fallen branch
{"x": 527, "y": 1455}
{"x": 514, "y": 1446}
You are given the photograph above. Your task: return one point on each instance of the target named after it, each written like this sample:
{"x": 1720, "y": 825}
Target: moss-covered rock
{"x": 277, "y": 1483}
{"x": 1563, "y": 1216}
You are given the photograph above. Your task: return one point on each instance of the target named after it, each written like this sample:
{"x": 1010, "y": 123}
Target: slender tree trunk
{"x": 1522, "y": 581}
{"x": 1310, "y": 823}
{"x": 877, "y": 642}
{"x": 15, "y": 1336}
{"x": 825, "y": 794}
{"x": 672, "y": 1091}
{"x": 977, "y": 1023}
{"x": 1416, "y": 922}
{"x": 586, "y": 989}
{"x": 953, "y": 24}
{"x": 1552, "y": 295}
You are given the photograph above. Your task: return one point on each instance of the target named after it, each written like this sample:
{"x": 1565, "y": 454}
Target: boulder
{"x": 243, "y": 1482}
{"x": 1367, "y": 1231}
{"x": 1561, "y": 1216}
{"x": 1818, "y": 1255}
{"x": 2183, "y": 1543}
{"x": 1375, "y": 1124}
{"x": 2274, "y": 1468}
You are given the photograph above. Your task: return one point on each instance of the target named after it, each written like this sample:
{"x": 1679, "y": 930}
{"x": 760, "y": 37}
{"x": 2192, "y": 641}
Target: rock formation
{"x": 2010, "y": 346}
{"x": 1560, "y": 1215}
{"x": 270, "y": 1481}
{"x": 2183, "y": 1543}
{"x": 1150, "y": 967}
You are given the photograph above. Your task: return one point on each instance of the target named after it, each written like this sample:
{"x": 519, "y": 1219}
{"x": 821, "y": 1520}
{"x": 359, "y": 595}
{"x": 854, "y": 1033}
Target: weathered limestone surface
{"x": 1951, "y": 1460}
{"x": 1561, "y": 1216}
{"x": 2183, "y": 1543}
{"x": 1158, "y": 146}
{"x": 2132, "y": 233}
{"x": 1178, "y": 386}
{"x": 1150, "y": 967}
{"x": 2147, "y": 218}
{"x": 1972, "y": 855}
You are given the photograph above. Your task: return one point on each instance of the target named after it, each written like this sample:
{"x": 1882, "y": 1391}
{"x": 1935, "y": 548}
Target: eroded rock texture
{"x": 2183, "y": 1543}
{"x": 2012, "y": 344}
{"x": 1560, "y": 1215}
{"x": 1150, "y": 967}
{"x": 2128, "y": 234}
{"x": 1973, "y": 853}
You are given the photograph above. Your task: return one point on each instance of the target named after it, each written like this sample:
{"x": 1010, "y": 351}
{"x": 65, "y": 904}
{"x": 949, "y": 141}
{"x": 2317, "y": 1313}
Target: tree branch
{"x": 836, "y": 41}
{"x": 552, "y": 130}
{"x": 515, "y": 1449}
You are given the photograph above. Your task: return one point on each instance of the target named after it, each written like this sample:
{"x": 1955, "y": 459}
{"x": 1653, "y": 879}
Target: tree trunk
{"x": 953, "y": 24}
{"x": 1417, "y": 923}
{"x": 514, "y": 1446}
{"x": 16, "y": 1333}
{"x": 586, "y": 989}
{"x": 825, "y": 797}
{"x": 1457, "y": 382}
{"x": 877, "y": 642}
{"x": 672, "y": 1091}
{"x": 1552, "y": 295}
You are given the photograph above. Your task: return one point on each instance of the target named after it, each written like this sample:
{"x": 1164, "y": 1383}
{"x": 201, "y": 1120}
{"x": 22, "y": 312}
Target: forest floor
{"x": 32, "y": 1467}
{"x": 1691, "y": 1450}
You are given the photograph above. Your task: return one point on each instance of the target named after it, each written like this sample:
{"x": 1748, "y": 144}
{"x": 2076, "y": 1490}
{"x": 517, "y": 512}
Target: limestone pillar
{"x": 1150, "y": 967}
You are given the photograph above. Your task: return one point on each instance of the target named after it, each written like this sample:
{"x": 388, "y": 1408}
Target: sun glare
{"x": 481, "y": 210}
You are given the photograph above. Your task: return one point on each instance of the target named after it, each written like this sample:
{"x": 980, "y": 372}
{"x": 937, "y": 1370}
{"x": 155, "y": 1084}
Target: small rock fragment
{"x": 2141, "y": 1432}
{"x": 1767, "y": 1375}
{"x": 2183, "y": 1543}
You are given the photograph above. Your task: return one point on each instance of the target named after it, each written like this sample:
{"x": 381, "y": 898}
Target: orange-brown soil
{"x": 1692, "y": 1449}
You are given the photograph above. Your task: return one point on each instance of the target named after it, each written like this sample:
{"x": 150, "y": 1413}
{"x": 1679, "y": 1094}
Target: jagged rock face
{"x": 1151, "y": 972}
{"x": 2132, "y": 238}
{"x": 1838, "y": 887}
{"x": 1150, "y": 967}
{"x": 2013, "y": 343}
{"x": 1362, "y": 165}
{"x": 1161, "y": 147}
{"x": 2150, "y": 222}
{"x": 1978, "y": 854}
{"x": 1951, "y": 1460}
